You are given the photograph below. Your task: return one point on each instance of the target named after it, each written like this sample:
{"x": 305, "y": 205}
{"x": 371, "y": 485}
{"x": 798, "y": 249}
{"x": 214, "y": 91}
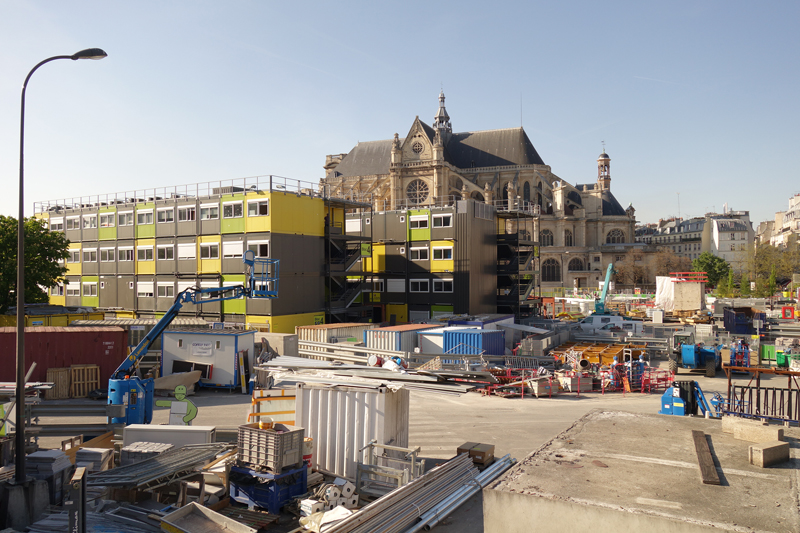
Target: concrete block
{"x": 24, "y": 504}
{"x": 769, "y": 453}
{"x": 753, "y": 433}
{"x": 730, "y": 422}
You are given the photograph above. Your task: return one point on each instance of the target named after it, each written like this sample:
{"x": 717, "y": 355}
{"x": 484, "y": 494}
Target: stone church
{"x": 580, "y": 228}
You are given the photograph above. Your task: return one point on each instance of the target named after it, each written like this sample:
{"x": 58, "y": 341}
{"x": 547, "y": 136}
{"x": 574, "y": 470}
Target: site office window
{"x": 165, "y": 253}
{"x": 74, "y": 256}
{"x": 144, "y": 289}
{"x": 418, "y": 222}
{"x": 187, "y": 250}
{"x": 165, "y": 215}
{"x": 443, "y": 285}
{"x": 107, "y": 220}
{"x": 259, "y": 248}
{"x": 73, "y": 288}
{"x": 419, "y": 285}
{"x": 56, "y": 224}
{"x": 166, "y": 290}
{"x": 89, "y": 221}
{"x": 187, "y": 214}
{"x": 442, "y": 221}
{"x": 144, "y": 218}
{"x": 144, "y": 253}
{"x": 74, "y": 222}
{"x": 419, "y": 253}
{"x": 90, "y": 255}
{"x": 57, "y": 290}
{"x": 107, "y": 255}
{"x": 257, "y": 208}
{"x": 125, "y": 218}
{"x": 90, "y": 289}
{"x": 232, "y": 210}
{"x": 125, "y": 254}
{"x": 443, "y": 253}
{"x": 209, "y": 212}
{"x": 232, "y": 249}
{"x": 209, "y": 251}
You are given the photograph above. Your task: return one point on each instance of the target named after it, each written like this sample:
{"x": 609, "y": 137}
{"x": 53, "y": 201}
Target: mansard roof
{"x": 477, "y": 149}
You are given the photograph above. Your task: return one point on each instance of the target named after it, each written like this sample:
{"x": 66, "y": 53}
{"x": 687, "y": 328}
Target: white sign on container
{"x": 202, "y": 348}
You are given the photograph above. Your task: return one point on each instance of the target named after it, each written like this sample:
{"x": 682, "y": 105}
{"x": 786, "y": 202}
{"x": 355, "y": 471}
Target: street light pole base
{"x": 22, "y": 504}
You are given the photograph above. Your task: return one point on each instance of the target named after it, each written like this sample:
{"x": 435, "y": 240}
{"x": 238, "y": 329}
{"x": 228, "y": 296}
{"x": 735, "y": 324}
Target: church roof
{"x": 611, "y": 207}
{"x": 491, "y": 148}
{"x": 366, "y": 159}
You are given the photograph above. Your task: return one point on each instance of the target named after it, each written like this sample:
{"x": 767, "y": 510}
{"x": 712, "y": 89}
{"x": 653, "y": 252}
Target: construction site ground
{"x": 440, "y": 423}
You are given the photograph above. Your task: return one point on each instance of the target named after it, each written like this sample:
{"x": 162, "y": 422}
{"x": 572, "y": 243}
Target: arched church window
{"x": 551, "y": 270}
{"x": 545, "y": 238}
{"x": 417, "y": 192}
{"x": 478, "y": 197}
{"x": 615, "y": 236}
{"x": 575, "y": 265}
{"x": 568, "y": 238}
{"x": 526, "y": 192}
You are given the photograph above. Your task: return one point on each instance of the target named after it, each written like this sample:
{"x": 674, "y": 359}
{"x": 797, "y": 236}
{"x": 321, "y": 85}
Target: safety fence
{"x": 764, "y": 402}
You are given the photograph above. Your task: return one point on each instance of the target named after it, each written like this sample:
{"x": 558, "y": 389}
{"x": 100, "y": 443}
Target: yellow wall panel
{"x": 442, "y": 265}
{"x": 400, "y": 311}
{"x": 258, "y": 223}
{"x": 58, "y": 300}
{"x": 209, "y": 266}
{"x": 145, "y": 267}
{"x": 297, "y": 215}
{"x": 74, "y": 269}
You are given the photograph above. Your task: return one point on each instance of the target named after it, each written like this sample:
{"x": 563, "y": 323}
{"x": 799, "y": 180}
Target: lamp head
{"x": 89, "y": 53}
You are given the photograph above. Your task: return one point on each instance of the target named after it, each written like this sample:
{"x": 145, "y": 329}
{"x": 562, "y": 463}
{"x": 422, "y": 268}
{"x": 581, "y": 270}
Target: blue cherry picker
{"x": 136, "y": 394}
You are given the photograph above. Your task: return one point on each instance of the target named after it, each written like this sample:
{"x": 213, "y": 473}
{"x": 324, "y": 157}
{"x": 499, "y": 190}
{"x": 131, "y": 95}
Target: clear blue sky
{"x": 693, "y": 97}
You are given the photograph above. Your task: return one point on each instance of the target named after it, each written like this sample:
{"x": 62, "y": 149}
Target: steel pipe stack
{"x": 400, "y": 509}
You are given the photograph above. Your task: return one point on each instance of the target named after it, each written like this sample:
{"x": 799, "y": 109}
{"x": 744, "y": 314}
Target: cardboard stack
{"x": 481, "y": 454}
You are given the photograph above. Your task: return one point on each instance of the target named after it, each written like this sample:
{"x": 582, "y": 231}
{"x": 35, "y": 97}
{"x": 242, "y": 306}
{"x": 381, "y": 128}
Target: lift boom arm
{"x": 600, "y": 305}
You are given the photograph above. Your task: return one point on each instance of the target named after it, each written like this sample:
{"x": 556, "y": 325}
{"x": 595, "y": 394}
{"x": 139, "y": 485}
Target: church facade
{"x": 576, "y": 229}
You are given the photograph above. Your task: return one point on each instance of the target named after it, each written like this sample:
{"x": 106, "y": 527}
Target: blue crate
{"x": 266, "y": 490}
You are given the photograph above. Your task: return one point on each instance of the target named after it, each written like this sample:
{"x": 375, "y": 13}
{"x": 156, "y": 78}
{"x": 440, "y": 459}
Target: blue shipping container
{"x": 474, "y": 342}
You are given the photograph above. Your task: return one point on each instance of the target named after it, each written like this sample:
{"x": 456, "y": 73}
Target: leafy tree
{"x": 744, "y": 285}
{"x": 772, "y": 282}
{"x": 668, "y": 261}
{"x": 43, "y": 251}
{"x": 715, "y": 267}
{"x": 631, "y": 270}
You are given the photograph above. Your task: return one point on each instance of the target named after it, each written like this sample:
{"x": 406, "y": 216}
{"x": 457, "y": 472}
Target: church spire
{"x": 441, "y": 122}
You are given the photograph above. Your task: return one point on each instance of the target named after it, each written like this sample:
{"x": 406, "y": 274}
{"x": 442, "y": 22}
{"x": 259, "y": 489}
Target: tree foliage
{"x": 43, "y": 251}
{"x": 668, "y": 261}
{"x": 785, "y": 261}
{"x": 716, "y": 268}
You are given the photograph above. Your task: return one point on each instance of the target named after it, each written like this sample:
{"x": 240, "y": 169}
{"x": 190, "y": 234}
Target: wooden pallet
{"x": 85, "y": 379}
{"x": 60, "y": 378}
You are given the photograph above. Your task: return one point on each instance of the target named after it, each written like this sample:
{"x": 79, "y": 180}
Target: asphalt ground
{"x": 438, "y": 424}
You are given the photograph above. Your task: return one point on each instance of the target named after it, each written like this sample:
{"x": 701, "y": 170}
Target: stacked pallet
{"x": 59, "y": 377}
{"x": 94, "y": 459}
{"x": 140, "y": 451}
{"x": 52, "y": 466}
{"x": 83, "y": 380}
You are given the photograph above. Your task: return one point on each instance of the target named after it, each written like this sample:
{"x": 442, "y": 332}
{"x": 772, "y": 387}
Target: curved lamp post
{"x": 19, "y": 474}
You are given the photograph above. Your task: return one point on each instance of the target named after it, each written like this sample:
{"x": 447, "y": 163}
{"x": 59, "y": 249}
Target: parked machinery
{"x": 135, "y": 394}
{"x": 685, "y": 398}
{"x": 698, "y": 357}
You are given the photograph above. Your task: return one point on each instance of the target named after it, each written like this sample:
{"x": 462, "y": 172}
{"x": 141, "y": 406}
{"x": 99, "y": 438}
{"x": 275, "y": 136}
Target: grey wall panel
{"x": 126, "y": 291}
{"x": 107, "y": 291}
{"x": 189, "y": 227}
{"x": 396, "y": 259}
{"x": 232, "y": 265}
{"x": 145, "y": 303}
{"x": 296, "y": 294}
{"x": 298, "y": 254}
{"x": 166, "y": 266}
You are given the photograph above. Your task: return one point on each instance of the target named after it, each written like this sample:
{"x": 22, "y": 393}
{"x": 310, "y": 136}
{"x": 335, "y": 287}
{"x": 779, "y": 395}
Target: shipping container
{"x": 61, "y": 347}
{"x": 739, "y": 320}
{"x": 395, "y": 338}
{"x": 333, "y": 332}
{"x": 474, "y": 342}
{"x": 137, "y": 328}
{"x": 490, "y": 321}
{"x": 344, "y": 420}
{"x": 431, "y": 341}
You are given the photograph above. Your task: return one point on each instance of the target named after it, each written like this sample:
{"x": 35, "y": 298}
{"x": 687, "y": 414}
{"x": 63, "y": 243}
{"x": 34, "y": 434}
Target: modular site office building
{"x": 460, "y": 257}
{"x": 131, "y": 253}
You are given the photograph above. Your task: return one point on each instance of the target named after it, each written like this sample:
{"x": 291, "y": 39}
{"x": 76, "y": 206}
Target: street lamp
{"x": 19, "y": 474}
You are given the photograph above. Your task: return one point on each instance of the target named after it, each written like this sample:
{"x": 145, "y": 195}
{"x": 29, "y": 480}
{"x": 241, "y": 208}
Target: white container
{"x": 343, "y": 420}
{"x": 176, "y": 435}
{"x": 331, "y": 333}
{"x": 431, "y": 341}
{"x": 215, "y": 349}
{"x": 395, "y": 338}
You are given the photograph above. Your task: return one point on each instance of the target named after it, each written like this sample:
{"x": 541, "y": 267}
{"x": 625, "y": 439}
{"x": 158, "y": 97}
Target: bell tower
{"x": 604, "y": 171}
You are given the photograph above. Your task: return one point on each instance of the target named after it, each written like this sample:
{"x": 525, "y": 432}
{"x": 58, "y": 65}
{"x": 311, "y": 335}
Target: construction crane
{"x": 600, "y": 303}
{"x": 136, "y": 394}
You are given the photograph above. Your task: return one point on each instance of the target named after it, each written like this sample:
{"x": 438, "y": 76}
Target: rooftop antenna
{"x": 679, "y": 206}
{"x": 604, "y": 146}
